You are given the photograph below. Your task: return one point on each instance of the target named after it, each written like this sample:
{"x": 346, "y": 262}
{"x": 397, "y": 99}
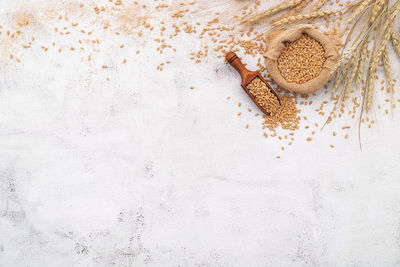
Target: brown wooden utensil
{"x": 247, "y": 77}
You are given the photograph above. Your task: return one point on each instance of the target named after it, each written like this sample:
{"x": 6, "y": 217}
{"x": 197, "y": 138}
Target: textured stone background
{"x": 142, "y": 171}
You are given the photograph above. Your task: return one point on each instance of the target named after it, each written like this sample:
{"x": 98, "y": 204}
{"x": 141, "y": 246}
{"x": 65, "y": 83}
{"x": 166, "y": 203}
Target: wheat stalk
{"x": 312, "y": 15}
{"x": 348, "y": 54}
{"x": 269, "y": 12}
{"x": 387, "y": 19}
{"x": 351, "y": 65}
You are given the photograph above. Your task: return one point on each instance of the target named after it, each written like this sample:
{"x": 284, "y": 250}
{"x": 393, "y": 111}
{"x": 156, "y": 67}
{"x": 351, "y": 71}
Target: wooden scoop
{"x": 247, "y": 77}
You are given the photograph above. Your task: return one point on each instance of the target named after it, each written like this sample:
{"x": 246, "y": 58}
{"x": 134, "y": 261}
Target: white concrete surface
{"x": 142, "y": 171}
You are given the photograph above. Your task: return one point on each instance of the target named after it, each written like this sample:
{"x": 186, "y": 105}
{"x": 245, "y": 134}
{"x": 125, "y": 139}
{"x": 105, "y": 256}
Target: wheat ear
{"x": 319, "y": 4}
{"x": 392, "y": 13}
{"x": 374, "y": 64}
{"x": 269, "y": 12}
{"x": 294, "y": 11}
{"x": 396, "y": 44}
{"x": 312, "y": 15}
{"x": 395, "y": 40}
{"x": 341, "y": 76}
{"x": 376, "y": 9}
{"x": 364, "y": 5}
{"x": 371, "y": 85}
{"x": 349, "y": 82}
{"x": 342, "y": 59}
{"x": 337, "y": 84}
{"x": 386, "y": 66}
{"x": 361, "y": 66}
{"x": 300, "y": 6}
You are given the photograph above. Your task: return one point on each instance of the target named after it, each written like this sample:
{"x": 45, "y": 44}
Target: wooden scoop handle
{"x": 247, "y": 76}
{"x": 235, "y": 62}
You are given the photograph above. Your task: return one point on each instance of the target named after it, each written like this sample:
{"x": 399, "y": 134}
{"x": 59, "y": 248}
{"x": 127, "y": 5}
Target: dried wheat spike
{"x": 392, "y": 14}
{"x": 341, "y": 76}
{"x": 374, "y": 63}
{"x": 364, "y": 5}
{"x": 386, "y": 66}
{"x": 274, "y": 10}
{"x": 350, "y": 80}
{"x": 300, "y": 7}
{"x": 312, "y": 15}
{"x": 396, "y": 44}
{"x": 376, "y": 9}
{"x": 384, "y": 41}
{"x": 294, "y": 11}
{"x": 342, "y": 59}
{"x": 319, "y": 4}
{"x": 361, "y": 66}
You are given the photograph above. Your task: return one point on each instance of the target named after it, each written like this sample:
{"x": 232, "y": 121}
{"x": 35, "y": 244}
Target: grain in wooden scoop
{"x": 263, "y": 95}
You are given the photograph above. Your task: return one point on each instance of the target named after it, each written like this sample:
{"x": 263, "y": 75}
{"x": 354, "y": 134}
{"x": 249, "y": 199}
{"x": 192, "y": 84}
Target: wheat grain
{"x": 312, "y": 15}
{"x": 301, "y": 60}
{"x": 274, "y": 10}
{"x": 263, "y": 95}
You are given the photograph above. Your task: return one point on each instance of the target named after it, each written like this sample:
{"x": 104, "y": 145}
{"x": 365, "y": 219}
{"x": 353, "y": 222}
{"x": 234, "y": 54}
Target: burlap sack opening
{"x": 276, "y": 43}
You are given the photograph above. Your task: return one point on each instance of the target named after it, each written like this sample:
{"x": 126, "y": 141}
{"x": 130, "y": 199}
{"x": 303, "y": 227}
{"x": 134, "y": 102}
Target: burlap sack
{"x": 276, "y": 43}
